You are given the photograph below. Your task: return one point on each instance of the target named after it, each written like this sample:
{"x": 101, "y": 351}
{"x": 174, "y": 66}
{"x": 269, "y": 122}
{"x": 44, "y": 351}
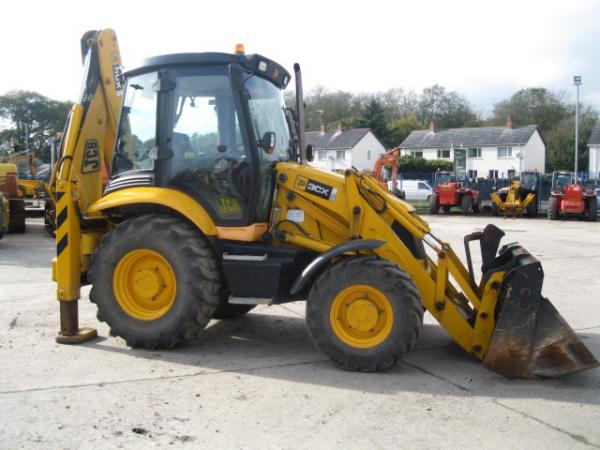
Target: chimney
{"x": 432, "y": 126}
{"x": 339, "y": 127}
{"x": 509, "y": 122}
{"x": 322, "y": 129}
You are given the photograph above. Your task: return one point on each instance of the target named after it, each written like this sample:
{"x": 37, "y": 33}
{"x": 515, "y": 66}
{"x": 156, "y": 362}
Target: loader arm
{"x": 81, "y": 171}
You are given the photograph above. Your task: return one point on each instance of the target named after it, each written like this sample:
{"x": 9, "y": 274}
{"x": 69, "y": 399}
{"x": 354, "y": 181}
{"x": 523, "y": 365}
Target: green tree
{"x": 446, "y": 109}
{"x": 373, "y": 117}
{"x": 416, "y": 164}
{"x": 560, "y": 141}
{"x": 529, "y": 106}
{"x": 401, "y": 127}
{"x": 34, "y": 118}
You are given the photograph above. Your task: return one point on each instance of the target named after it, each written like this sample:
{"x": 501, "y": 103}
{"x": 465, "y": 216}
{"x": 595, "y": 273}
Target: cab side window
{"x": 137, "y": 128}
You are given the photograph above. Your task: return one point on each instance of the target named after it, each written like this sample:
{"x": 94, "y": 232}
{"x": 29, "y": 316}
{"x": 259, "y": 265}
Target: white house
{"x": 594, "y": 146}
{"x": 491, "y": 152}
{"x": 343, "y": 149}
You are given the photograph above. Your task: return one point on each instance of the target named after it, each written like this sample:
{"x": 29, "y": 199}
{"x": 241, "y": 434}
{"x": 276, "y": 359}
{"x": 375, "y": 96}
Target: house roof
{"x": 469, "y": 137}
{"x": 595, "y": 136}
{"x": 335, "y": 139}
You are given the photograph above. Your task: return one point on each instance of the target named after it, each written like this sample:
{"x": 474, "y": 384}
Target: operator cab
{"x": 561, "y": 179}
{"x": 444, "y": 178}
{"x": 209, "y": 125}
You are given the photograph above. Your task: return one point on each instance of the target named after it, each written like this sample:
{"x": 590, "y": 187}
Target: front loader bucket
{"x": 531, "y": 339}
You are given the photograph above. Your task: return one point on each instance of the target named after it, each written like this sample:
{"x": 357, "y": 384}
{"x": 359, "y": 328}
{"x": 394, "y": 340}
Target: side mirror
{"x": 310, "y": 152}
{"x": 268, "y": 142}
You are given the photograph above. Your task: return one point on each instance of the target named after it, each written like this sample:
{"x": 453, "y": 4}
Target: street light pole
{"x": 577, "y": 83}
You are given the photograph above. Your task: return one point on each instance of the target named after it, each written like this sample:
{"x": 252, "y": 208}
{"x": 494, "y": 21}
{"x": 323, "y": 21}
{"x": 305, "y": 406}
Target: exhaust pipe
{"x": 300, "y": 113}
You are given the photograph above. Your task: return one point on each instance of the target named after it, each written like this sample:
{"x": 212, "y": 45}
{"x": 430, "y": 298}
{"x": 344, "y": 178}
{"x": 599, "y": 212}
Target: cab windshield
{"x": 562, "y": 180}
{"x": 267, "y": 113}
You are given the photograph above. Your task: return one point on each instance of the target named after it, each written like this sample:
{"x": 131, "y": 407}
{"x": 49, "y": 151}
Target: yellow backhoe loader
{"x": 518, "y": 198}
{"x": 183, "y": 194}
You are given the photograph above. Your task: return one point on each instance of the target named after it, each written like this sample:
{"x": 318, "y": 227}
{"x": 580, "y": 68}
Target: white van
{"x": 414, "y": 189}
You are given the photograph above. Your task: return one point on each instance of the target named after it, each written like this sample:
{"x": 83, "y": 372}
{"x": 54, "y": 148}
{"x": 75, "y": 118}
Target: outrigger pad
{"x": 531, "y": 339}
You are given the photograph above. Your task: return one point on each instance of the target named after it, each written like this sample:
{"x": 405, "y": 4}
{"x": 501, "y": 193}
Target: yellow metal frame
{"x": 443, "y": 281}
{"x": 513, "y": 204}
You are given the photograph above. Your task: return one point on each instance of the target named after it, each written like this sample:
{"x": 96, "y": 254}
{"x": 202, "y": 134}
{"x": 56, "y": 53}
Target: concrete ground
{"x": 258, "y": 381}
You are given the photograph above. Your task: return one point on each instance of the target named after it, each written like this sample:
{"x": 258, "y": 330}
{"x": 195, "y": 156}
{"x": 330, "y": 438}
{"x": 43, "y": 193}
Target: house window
{"x": 473, "y": 173}
{"x": 340, "y": 154}
{"x": 322, "y": 155}
{"x": 493, "y": 174}
{"x": 504, "y": 152}
{"x": 416, "y": 153}
{"x": 443, "y": 153}
{"x": 475, "y": 152}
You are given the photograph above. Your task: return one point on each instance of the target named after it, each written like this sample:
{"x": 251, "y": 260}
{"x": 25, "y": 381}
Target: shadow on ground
{"x": 271, "y": 346}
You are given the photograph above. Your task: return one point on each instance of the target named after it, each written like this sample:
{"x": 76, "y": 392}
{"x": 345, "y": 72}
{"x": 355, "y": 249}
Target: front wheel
{"x": 155, "y": 280}
{"x": 552, "y": 209}
{"x": 364, "y": 313}
{"x": 592, "y": 214}
{"x": 465, "y": 204}
{"x": 434, "y": 204}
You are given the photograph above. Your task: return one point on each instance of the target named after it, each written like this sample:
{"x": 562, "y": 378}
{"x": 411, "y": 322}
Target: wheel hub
{"x": 361, "y": 316}
{"x": 144, "y": 284}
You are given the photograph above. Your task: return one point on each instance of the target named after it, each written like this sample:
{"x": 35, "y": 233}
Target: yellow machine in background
{"x": 183, "y": 194}
{"x": 518, "y": 198}
{"x": 30, "y": 188}
{"x": 4, "y": 214}
{"x": 16, "y": 205}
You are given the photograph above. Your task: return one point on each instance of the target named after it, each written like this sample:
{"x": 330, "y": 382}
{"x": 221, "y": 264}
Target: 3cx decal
{"x": 315, "y": 188}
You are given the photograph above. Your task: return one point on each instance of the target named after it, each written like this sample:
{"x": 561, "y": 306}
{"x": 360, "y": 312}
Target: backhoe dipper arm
{"x": 81, "y": 171}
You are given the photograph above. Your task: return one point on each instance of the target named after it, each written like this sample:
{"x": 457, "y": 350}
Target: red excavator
{"x": 569, "y": 198}
{"x": 448, "y": 192}
{"x": 388, "y": 177}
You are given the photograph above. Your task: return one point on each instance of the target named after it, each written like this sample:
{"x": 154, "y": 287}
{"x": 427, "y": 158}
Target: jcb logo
{"x": 301, "y": 182}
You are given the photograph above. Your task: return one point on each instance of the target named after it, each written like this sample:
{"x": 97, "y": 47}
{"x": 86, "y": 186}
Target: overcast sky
{"x": 486, "y": 50}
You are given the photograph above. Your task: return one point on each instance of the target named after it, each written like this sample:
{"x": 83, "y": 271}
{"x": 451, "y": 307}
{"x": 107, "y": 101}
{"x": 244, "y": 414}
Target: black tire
{"x": 532, "y": 209}
{"x": 17, "y": 216}
{"x": 552, "y": 209}
{"x": 50, "y": 219}
{"x": 399, "y": 290}
{"x": 477, "y": 207}
{"x": 466, "y": 202}
{"x": 227, "y": 311}
{"x": 197, "y": 275}
{"x": 434, "y": 205}
{"x": 495, "y": 209}
{"x": 592, "y": 214}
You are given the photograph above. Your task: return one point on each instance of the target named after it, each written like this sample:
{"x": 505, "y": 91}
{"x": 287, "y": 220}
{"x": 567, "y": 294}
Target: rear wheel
{"x": 434, "y": 204}
{"x": 465, "y": 204}
{"x": 495, "y": 209}
{"x": 532, "y": 209}
{"x": 552, "y": 209}
{"x": 477, "y": 207}
{"x": 155, "y": 281}
{"x": 592, "y": 214}
{"x": 364, "y": 313}
{"x": 16, "y": 222}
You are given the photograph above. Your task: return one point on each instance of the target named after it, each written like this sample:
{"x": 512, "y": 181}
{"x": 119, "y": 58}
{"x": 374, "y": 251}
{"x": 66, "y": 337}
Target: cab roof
{"x": 256, "y": 63}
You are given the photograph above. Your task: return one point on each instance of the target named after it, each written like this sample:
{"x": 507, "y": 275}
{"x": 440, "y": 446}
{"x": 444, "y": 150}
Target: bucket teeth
{"x": 531, "y": 338}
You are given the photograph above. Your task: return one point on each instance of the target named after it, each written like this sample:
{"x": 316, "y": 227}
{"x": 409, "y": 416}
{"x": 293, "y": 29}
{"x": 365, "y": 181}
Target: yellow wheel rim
{"x": 144, "y": 284}
{"x": 361, "y": 316}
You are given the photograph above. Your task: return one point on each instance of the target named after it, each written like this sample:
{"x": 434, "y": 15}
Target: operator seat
{"x": 183, "y": 153}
